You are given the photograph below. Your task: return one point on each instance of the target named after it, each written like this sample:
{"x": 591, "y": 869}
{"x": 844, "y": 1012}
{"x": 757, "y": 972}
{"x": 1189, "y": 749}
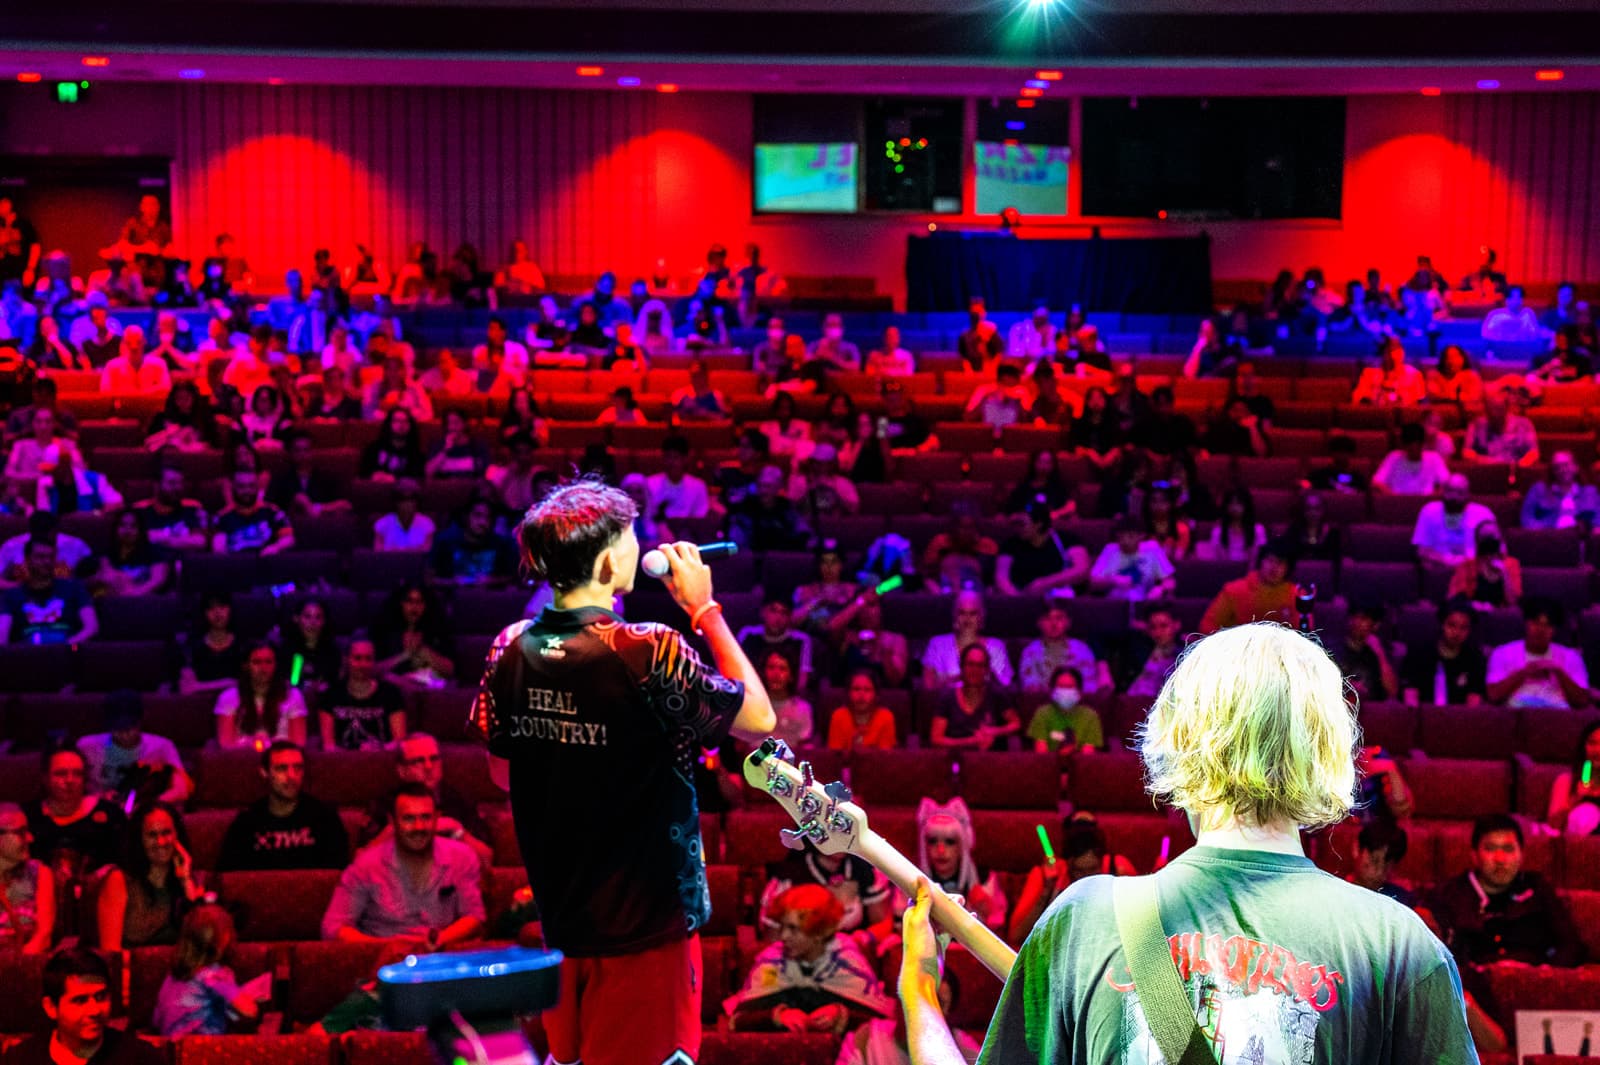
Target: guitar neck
{"x": 964, "y": 927}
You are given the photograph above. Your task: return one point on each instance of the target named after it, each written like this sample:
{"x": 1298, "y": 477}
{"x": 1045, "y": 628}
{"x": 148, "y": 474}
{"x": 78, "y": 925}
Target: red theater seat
{"x": 1140, "y": 837}
{"x": 780, "y": 1048}
{"x": 302, "y": 1049}
{"x": 1458, "y": 788}
{"x": 1009, "y": 781}
{"x": 900, "y": 777}
{"x": 723, "y": 883}
{"x": 325, "y": 973}
{"x": 386, "y": 1048}
{"x": 1486, "y": 732}
{"x": 719, "y": 958}
{"x": 1580, "y": 864}
{"x": 148, "y": 968}
{"x": 280, "y": 905}
{"x": 1107, "y": 781}
{"x": 1585, "y": 909}
{"x": 1392, "y": 726}
{"x": 1008, "y": 840}
{"x": 980, "y": 989}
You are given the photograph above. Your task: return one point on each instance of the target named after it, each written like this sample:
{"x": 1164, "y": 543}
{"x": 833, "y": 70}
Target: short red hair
{"x": 819, "y": 909}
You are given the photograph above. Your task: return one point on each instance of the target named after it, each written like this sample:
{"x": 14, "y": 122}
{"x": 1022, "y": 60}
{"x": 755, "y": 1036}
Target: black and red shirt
{"x": 602, "y": 722}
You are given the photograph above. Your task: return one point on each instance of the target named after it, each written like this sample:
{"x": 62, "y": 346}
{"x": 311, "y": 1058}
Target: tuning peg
{"x": 792, "y": 838}
{"x": 838, "y": 791}
{"x": 806, "y": 777}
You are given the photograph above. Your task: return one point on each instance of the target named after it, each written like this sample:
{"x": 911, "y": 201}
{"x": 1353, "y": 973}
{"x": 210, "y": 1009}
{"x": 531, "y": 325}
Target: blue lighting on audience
{"x": 191, "y": 73}
{"x": 628, "y": 83}
{"x": 1015, "y": 126}
{"x": 1489, "y": 83}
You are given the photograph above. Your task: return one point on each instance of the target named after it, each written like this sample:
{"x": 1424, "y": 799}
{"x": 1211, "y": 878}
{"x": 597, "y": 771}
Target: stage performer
{"x": 1276, "y": 961}
{"x": 594, "y": 726}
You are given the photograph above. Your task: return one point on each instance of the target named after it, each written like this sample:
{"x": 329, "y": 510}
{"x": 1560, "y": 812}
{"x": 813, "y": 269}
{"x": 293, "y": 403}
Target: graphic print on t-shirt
{"x": 1257, "y": 1003}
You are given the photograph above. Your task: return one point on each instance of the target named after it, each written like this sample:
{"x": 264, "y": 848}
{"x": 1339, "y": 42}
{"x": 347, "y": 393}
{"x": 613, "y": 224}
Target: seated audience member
{"x": 1266, "y": 593}
{"x": 71, "y": 552}
{"x": 51, "y": 351}
{"x": 1561, "y": 500}
{"x": 624, "y": 409}
{"x": 286, "y": 828}
{"x": 251, "y": 368}
{"x": 362, "y": 711}
{"x": 1496, "y": 912}
{"x": 1000, "y": 402}
{"x": 675, "y": 492}
{"x": 1363, "y": 659}
{"x": 1451, "y": 670}
{"x": 45, "y": 397}
{"x": 1044, "y": 485}
{"x": 1032, "y": 338}
{"x": 819, "y": 489}
{"x": 864, "y": 645}
{"x": 96, "y": 335}
{"x": 213, "y": 655}
{"x": 1380, "y": 848}
{"x": 405, "y": 528}
{"x": 1236, "y": 431}
{"x": 70, "y": 487}
{"x": 1454, "y": 380}
{"x": 976, "y": 713}
{"x": 1340, "y": 473}
{"x": 1515, "y": 323}
{"x": 307, "y": 649}
{"x": 1166, "y": 644}
{"x": 1413, "y": 469}
{"x": 943, "y": 659}
{"x": 906, "y": 431}
{"x": 1092, "y": 361}
{"x": 75, "y": 831}
{"x": 787, "y": 434}
{"x": 200, "y": 996}
{"x": 302, "y": 485}
{"x": 172, "y": 520}
{"x": 1574, "y": 806}
{"x": 811, "y": 978}
{"x": 516, "y": 483}
{"x": 1392, "y": 383}
{"x": 135, "y": 372}
{"x": 412, "y": 634}
{"x": 457, "y": 456}
{"x": 775, "y": 634}
{"x": 418, "y": 760}
{"x": 1446, "y": 530}
{"x": 336, "y": 403}
{"x": 890, "y": 359}
{"x": 1492, "y": 577}
{"x": 395, "y": 390}
{"x": 1237, "y": 536}
{"x": 342, "y": 352}
{"x": 961, "y": 557}
{"x": 132, "y": 565}
{"x": 260, "y": 707}
{"x": 27, "y": 888}
{"x": 471, "y": 551}
{"x": 833, "y": 349}
{"x": 945, "y": 840}
{"x": 35, "y": 456}
{"x": 861, "y": 721}
{"x": 1569, "y": 361}
{"x": 1039, "y": 560}
{"x": 1498, "y": 435}
{"x": 1535, "y": 671}
{"x": 397, "y": 451}
{"x": 251, "y": 525}
{"x": 764, "y": 520}
{"x": 127, "y": 761}
{"x": 447, "y": 377}
{"x": 145, "y": 895}
{"x": 815, "y": 602}
{"x": 980, "y": 345}
{"x": 697, "y": 401}
{"x": 796, "y": 721}
{"x": 45, "y": 608}
{"x": 1064, "y": 725}
{"x": 416, "y": 885}
{"x": 77, "y": 997}
{"x": 499, "y": 360}
{"x": 1132, "y": 566}
{"x": 185, "y": 422}
{"x": 1084, "y": 852}
{"x": 1055, "y": 648}
{"x": 768, "y": 357}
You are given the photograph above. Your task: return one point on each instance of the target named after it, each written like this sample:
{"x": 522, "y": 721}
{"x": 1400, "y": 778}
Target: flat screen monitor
{"x": 815, "y": 177}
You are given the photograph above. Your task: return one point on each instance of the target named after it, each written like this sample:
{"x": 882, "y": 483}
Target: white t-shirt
{"x": 1540, "y": 692}
{"x": 941, "y": 662}
{"x": 108, "y": 762}
{"x": 292, "y": 706}
{"x": 1451, "y": 535}
{"x": 392, "y": 536}
{"x": 1148, "y": 567}
{"x": 686, "y": 499}
{"x": 1403, "y": 477}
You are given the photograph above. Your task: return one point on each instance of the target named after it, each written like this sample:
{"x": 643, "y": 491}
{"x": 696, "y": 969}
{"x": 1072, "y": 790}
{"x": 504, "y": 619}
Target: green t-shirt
{"x": 1283, "y": 963}
{"x": 1050, "y": 723}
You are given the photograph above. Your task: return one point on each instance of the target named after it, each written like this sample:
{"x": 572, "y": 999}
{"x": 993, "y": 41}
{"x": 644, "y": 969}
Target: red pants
{"x": 633, "y": 1009}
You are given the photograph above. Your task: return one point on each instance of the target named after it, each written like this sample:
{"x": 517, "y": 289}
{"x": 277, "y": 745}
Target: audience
{"x": 260, "y": 707}
{"x": 1535, "y": 671}
{"x": 1363, "y": 658}
{"x": 862, "y": 891}
{"x": 1055, "y": 648}
{"x": 27, "y": 888}
{"x": 1392, "y": 383}
{"x": 1445, "y": 533}
{"x": 1413, "y": 469}
{"x": 1452, "y": 670}
{"x": 1264, "y": 594}
{"x": 362, "y": 711}
{"x": 775, "y": 634}
{"x": 286, "y": 828}
{"x": 1562, "y": 500}
{"x": 1514, "y": 323}
{"x": 77, "y": 997}
{"x": 45, "y": 608}
{"x": 250, "y": 525}
{"x": 1064, "y": 725}
{"x": 1574, "y": 807}
{"x": 975, "y": 713}
{"x": 864, "y": 645}
{"x": 1164, "y": 630}
{"x": 1491, "y": 578}
{"x": 1039, "y": 560}
{"x": 127, "y": 764}
{"x": 471, "y": 551}
{"x": 1379, "y": 849}
{"x": 413, "y": 638}
{"x": 1132, "y": 566}
{"x": 796, "y": 722}
{"x": 1084, "y": 852}
{"x": 945, "y": 842}
{"x": 200, "y": 996}
{"x": 943, "y": 661}
{"x": 1498, "y": 435}
{"x": 861, "y": 722}
{"x": 1454, "y": 380}
{"x": 1237, "y": 537}
{"x": 212, "y": 656}
{"x": 144, "y": 897}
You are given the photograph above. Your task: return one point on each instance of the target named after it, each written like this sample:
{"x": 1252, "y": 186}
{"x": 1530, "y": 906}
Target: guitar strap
{"x": 1161, "y": 995}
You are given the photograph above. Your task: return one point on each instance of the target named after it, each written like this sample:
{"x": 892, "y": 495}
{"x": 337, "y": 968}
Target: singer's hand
{"x": 688, "y": 579}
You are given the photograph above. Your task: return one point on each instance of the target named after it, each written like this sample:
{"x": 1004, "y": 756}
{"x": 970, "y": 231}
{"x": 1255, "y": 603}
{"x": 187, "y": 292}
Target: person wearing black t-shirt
{"x": 174, "y": 521}
{"x": 594, "y": 725}
{"x": 251, "y": 525}
{"x": 364, "y": 712}
{"x": 1362, "y": 656}
{"x": 286, "y": 829}
{"x": 977, "y": 713}
{"x": 1039, "y": 559}
{"x": 74, "y": 832}
{"x": 861, "y": 890}
{"x": 19, "y": 246}
{"x": 903, "y": 428}
{"x": 77, "y": 998}
{"x": 1452, "y": 670}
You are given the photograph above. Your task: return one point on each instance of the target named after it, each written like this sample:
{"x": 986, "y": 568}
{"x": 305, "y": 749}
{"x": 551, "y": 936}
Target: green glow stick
{"x": 294, "y": 671}
{"x": 889, "y": 585}
{"x": 1588, "y": 772}
{"x": 1044, "y": 841}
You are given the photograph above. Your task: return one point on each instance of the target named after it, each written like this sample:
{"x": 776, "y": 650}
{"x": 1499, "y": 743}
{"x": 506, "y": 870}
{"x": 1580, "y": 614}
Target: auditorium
{"x": 994, "y": 352}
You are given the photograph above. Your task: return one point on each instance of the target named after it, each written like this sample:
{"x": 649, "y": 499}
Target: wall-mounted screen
{"x": 817, "y": 177}
{"x": 1030, "y": 177}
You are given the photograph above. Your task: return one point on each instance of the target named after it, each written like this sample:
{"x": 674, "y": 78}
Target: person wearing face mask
{"x": 834, "y": 349}
{"x": 1084, "y": 852}
{"x": 769, "y": 357}
{"x": 1446, "y": 528}
{"x": 1064, "y": 725}
{"x": 945, "y": 841}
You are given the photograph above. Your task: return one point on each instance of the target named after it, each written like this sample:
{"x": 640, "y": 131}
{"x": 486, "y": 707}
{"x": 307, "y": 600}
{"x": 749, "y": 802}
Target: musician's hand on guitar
{"x": 923, "y": 958}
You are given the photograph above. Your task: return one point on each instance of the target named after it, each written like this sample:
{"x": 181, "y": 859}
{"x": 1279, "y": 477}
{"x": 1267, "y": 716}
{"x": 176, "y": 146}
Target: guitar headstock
{"x": 823, "y": 813}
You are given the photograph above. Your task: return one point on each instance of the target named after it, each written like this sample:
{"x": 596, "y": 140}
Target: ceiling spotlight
{"x": 590, "y": 72}
{"x": 1431, "y": 90}
{"x": 1489, "y": 83}
{"x": 1029, "y": 93}
{"x": 1037, "y": 83}
{"x": 29, "y": 77}
{"x": 1025, "y": 104}
{"x": 1048, "y": 75}
{"x": 1549, "y": 75}
{"x": 666, "y": 86}
{"x": 628, "y": 82}
{"x": 96, "y": 61}
{"x": 191, "y": 73}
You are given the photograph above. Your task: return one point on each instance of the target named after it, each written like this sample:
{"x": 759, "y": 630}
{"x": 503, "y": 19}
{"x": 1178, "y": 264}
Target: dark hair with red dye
{"x": 565, "y": 531}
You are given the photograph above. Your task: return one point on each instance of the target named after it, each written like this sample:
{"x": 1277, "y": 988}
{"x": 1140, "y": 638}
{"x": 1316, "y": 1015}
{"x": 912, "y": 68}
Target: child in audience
{"x": 200, "y": 995}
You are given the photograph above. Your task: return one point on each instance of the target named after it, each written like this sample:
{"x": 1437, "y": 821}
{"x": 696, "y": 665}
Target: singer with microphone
{"x": 593, "y": 726}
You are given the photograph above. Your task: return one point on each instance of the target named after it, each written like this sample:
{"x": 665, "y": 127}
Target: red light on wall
{"x": 28, "y": 77}
{"x": 1030, "y": 93}
{"x": 1549, "y": 75}
{"x": 1047, "y": 75}
{"x": 96, "y": 61}
{"x": 666, "y": 86}
{"x": 274, "y": 81}
{"x": 590, "y": 72}
{"x": 1431, "y": 90}
{"x": 1024, "y": 104}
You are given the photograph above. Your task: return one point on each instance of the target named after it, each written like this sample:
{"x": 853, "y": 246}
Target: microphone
{"x": 654, "y": 563}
